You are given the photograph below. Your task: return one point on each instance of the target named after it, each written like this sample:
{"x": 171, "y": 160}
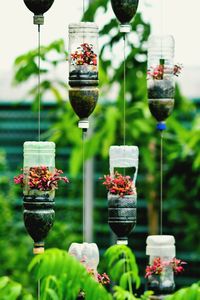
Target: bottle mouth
{"x": 122, "y": 241}
{"x": 83, "y": 124}
{"x": 38, "y": 19}
{"x": 125, "y": 28}
{"x": 38, "y": 248}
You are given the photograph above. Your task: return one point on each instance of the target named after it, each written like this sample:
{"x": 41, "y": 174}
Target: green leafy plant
{"x": 11, "y": 290}
{"x": 189, "y": 293}
{"x": 122, "y": 266}
{"x": 121, "y": 294}
{"x": 63, "y": 276}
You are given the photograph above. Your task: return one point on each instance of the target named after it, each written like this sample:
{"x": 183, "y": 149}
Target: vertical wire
{"x": 83, "y": 153}
{"x": 162, "y": 17}
{"x": 39, "y": 94}
{"x": 38, "y": 289}
{"x": 161, "y": 183}
{"x": 124, "y": 92}
{"x": 83, "y": 8}
{"x": 39, "y": 118}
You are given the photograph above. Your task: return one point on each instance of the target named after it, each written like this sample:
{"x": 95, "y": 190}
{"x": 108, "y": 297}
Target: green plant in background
{"x": 11, "y": 290}
{"x": 62, "y": 277}
{"x": 26, "y": 68}
{"x": 123, "y": 269}
{"x": 188, "y": 293}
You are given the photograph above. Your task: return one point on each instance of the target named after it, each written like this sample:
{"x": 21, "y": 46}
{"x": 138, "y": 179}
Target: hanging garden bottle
{"x": 161, "y": 71}
{"x": 39, "y": 165}
{"x": 38, "y": 7}
{"x": 125, "y": 10}
{"x": 39, "y": 158}
{"x": 83, "y": 54}
{"x": 160, "y": 272}
{"x": 122, "y": 196}
{"x": 83, "y": 69}
{"x": 39, "y": 181}
{"x": 87, "y": 254}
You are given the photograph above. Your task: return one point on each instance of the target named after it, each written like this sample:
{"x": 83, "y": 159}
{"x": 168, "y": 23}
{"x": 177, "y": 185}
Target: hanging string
{"x": 83, "y": 154}
{"x": 39, "y": 94}
{"x": 162, "y": 17}
{"x": 161, "y": 183}
{"x": 38, "y": 289}
{"x": 124, "y": 92}
{"x": 83, "y": 9}
{"x": 39, "y": 118}
{"x": 161, "y": 134}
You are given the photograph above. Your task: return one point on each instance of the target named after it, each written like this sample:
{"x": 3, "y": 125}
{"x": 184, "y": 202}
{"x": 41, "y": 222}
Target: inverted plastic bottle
{"x": 83, "y": 70}
{"x": 122, "y": 211}
{"x": 160, "y": 83}
{"x": 87, "y": 254}
{"x": 162, "y": 247}
{"x": 37, "y": 154}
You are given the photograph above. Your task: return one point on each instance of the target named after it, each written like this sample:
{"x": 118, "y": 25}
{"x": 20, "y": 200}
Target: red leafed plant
{"x": 157, "y": 73}
{"x": 177, "y": 265}
{"x": 40, "y": 178}
{"x": 119, "y": 184}
{"x": 84, "y": 55}
{"x": 158, "y": 266}
{"x": 101, "y": 278}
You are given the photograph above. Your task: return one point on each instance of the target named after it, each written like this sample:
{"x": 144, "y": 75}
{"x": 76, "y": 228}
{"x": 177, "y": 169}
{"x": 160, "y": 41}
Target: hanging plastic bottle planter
{"x": 125, "y": 11}
{"x": 162, "y": 265}
{"x": 87, "y": 254}
{"x": 160, "y": 80}
{"x": 122, "y": 196}
{"x": 39, "y": 181}
{"x": 38, "y": 7}
{"x": 83, "y": 69}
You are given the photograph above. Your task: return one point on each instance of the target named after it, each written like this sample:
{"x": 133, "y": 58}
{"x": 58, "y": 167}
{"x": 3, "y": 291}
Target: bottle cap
{"x": 38, "y": 19}
{"x": 122, "y": 242}
{"x": 124, "y": 28}
{"x": 161, "y": 126}
{"x": 83, "y": 124}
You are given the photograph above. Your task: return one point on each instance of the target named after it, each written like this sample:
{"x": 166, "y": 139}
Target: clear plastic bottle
{"x": 160, "y": 80}
{"x": 124, "y": 157}
{"x": 161, "y": 249}
{"x": 87, "y": 254}
{"x": 83, "y": 54}
{"x": 122, "y": 211}
{"x": 38, "y": 156}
